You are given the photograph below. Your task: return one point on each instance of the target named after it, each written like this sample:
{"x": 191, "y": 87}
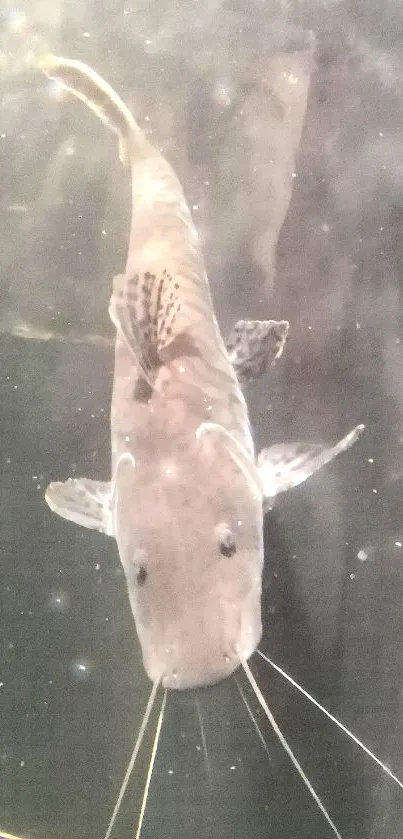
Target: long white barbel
{"x": 133, "y": 758}
{"x": 151, "y": 766}
{"x": 286, "y": 747}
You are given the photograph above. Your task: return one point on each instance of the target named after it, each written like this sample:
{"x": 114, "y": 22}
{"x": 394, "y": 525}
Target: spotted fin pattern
{"x": 254, "y": 344}
{"x": 144, "y": 309}
{"x": 82, "y": 501}
{"x": 285, "y": 465}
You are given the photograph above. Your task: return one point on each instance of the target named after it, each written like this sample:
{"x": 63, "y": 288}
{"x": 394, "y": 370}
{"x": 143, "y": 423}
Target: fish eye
{"x": 141, "y": 575}
{"x": 140, "y": 566}
{"x": 226, "y": 540}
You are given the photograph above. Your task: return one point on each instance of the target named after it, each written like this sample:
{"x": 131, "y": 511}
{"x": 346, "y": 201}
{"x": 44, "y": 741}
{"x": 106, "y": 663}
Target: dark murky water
{"x": 201, "y": 77}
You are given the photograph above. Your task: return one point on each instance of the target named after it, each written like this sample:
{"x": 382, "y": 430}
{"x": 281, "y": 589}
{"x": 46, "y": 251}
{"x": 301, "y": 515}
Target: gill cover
{"x": 236, "y": 451}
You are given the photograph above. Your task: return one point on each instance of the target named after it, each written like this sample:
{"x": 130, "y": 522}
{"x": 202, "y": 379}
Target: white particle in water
{"x": 81, "y": 669}
{"x": 58, "y": 601}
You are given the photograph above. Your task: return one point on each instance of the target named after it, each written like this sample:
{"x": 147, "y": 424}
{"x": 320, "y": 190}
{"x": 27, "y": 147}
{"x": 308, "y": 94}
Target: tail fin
{"x": 88, "y": 86}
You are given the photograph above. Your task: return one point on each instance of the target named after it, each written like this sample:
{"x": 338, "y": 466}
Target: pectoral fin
{"x": 83, "y": 501}
{"x": 129, "y": 311}
{"x": 254, "y": 344}
{"x": 284, "y": 466}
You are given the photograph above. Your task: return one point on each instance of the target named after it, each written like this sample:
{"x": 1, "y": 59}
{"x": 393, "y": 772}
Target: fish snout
{"x": 191, "y": 672}
{"x": 202, "y": 656}
{"x": 199, "y": 640}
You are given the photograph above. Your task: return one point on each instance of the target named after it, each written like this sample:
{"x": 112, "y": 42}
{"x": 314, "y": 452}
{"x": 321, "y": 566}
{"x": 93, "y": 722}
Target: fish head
{"x": 192, "y": 549}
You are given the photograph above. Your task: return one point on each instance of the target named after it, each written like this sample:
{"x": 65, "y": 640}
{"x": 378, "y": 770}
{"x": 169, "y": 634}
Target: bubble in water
{"x": 81, "y": 669}
{"x": 58, "y": 601}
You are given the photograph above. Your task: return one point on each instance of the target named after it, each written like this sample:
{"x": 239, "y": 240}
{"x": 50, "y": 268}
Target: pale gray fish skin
{"x": 197, "y": 607}
{"x": 185, "y": 502}
{"x": 186, "y": 516}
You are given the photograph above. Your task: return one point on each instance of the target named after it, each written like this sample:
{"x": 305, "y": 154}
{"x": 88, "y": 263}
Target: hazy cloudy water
{"x": 207, "y": 82}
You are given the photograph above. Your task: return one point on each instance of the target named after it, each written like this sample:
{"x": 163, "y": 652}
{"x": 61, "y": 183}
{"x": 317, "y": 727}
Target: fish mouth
{"x": 200, "y": 663}
{"x": 203, "y": 652}
{"x": 201, "y": 674}
{"x": 205, "y": 674}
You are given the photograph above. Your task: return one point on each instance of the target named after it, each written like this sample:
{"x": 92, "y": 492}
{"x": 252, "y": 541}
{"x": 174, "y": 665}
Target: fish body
{"x": 177, "y": 499}
{"x": 185, "y": 500}
{"x": 185, "y": 507}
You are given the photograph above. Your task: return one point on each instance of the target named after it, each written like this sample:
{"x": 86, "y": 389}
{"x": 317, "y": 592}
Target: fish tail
{"x": 88, "y": 86}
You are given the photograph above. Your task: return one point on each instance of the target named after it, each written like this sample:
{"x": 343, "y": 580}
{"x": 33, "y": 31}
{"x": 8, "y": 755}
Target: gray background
{"x": 202, "y": 78}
